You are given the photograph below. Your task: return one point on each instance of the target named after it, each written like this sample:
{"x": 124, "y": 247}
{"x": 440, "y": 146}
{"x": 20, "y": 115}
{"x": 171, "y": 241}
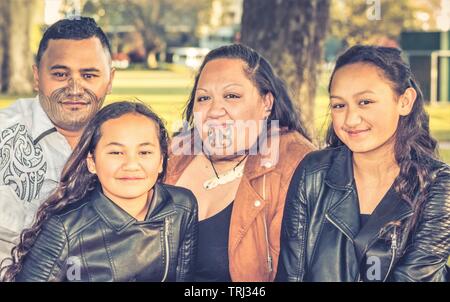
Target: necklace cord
{"x": 215, "y": 171}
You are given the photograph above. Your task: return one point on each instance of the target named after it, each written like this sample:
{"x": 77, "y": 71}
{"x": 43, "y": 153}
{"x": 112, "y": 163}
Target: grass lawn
{"x": 166, "y": 92}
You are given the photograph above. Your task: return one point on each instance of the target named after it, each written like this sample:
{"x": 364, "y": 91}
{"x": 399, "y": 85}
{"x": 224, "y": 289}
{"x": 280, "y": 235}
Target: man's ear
{"x": 36, "y": 77}
{"x": 268, "y": 100}
{"x": 406, "y": 101}
{"x": 91, "y": 164}
{"x": 113, "y": 72}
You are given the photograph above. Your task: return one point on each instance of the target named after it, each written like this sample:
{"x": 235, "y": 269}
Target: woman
{"x": 242, "y": 144}
{"x": 110, "y": 218}
{"x": 375, "y": 205}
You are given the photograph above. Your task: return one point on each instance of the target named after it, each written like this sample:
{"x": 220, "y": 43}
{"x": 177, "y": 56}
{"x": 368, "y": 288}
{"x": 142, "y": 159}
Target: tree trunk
{"x": 20, "y": 56}
{"x": 4, "y": 20}
{"x": 290, "y": 34}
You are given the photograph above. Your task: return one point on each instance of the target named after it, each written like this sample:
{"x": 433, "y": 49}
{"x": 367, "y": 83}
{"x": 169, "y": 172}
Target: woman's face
{"x": 228, "y": 108}
{"x": 127, "y": 159}
{"x": 365, "y": 109}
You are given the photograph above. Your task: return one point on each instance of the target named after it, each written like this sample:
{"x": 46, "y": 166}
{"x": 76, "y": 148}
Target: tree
{"x": 364, "y": 21}
{"x": 150, "y": 18}
{"x": 16, "y": 56}
{"x": 4, "y": 8}
{"x": 290, "y": 34}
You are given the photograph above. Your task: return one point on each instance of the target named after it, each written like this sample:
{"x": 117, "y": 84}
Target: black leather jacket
{"x": 95, "y": 240}
{"x": 321, "y": 238}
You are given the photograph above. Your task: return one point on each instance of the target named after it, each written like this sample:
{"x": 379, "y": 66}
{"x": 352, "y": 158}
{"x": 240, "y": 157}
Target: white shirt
{"x": 32, "y": 156}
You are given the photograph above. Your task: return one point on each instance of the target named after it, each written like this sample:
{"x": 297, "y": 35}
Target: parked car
{"x": 189, "y": 56}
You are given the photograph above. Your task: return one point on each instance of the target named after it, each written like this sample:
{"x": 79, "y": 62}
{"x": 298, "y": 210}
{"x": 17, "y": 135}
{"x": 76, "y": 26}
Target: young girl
{"x": 110, "y": 218}
{"x": 375, "y": 205}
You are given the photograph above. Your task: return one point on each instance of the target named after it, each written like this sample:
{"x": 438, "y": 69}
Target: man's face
{"x": 73, "y": 79}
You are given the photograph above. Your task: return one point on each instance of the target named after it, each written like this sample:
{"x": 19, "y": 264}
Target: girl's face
{"x": 127, "y": 159}
{"x": 365, "y": 110}
{"x": 228, "y": 108}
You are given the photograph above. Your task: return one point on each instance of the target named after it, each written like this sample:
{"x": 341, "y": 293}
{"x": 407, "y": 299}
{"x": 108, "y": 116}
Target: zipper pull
{"x": 269, "y": 263}
{"x": 394, "y": 244}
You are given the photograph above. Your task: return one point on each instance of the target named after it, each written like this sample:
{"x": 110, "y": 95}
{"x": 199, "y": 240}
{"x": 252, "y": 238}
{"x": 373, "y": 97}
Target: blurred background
{"x": 159, "y": 44}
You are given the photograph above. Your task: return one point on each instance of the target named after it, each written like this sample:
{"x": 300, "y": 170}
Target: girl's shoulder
{"x": 183, "y": 198}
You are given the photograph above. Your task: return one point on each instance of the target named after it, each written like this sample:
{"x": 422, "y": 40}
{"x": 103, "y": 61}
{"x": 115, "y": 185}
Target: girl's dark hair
{"x": 261, "y": 73}
{"x": 414, "y": 148}
{"x": 76, "y": 180}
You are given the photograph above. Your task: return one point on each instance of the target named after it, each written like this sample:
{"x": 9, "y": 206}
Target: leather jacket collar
{"x": 344, "y": 211}
{"x": 161, "y": 206}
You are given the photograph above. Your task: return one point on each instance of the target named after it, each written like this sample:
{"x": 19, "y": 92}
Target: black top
{"x": 212, "y": 254}
{"x": 363, "y": 218}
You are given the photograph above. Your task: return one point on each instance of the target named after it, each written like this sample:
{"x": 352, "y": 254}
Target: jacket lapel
{"x": 249, "y": 201}
{"x": 161, "y": 204}
{"x": 343, "y": 211}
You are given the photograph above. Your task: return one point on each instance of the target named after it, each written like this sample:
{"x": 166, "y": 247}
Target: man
{"x": 72, "y": 76}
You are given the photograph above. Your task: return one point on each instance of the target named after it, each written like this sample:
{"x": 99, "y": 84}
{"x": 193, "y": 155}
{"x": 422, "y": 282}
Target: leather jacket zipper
{"x": 269, "y": 258}
{"x": 394, "y": 247}
{"x": 166, "y": 243}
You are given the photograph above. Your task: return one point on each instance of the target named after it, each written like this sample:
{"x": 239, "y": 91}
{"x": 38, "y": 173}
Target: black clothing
{"x": 363, "y": 218}
{"x": 322, "y": 239}
{"x": 95, "y": 240}
{"x": 212, "y": 253}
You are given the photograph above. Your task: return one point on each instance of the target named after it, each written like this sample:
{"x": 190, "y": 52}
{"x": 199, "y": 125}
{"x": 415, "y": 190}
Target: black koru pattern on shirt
{"x": 22, "y": 164}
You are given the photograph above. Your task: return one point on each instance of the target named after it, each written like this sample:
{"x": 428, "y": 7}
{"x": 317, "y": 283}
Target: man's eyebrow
{"x": 59, "y": 67}
{"x": 92, "y": 69}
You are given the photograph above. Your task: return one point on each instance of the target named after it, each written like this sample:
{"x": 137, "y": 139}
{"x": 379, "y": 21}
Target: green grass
{"x": 166, "y": 91}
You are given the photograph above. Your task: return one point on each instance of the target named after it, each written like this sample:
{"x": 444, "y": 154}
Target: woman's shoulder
{"x": 441, "y": 179}
{"x": 324, "y": 158}
{"x": 294, "y": 141}
{"x": 433, "y": 232}
{"x": 181, "y": 197}
{"x": 291, "y": 148}
{"x": 76, "y": 216}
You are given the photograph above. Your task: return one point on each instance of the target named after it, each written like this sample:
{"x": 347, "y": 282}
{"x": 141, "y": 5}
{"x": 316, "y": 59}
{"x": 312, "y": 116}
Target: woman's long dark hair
{"x": 414, "y": 148}
{"x": 261, "y": 73}
{"x": 76, "y": 180}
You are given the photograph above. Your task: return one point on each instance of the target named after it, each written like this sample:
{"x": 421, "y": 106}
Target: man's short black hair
{"x": 79, "y": 28}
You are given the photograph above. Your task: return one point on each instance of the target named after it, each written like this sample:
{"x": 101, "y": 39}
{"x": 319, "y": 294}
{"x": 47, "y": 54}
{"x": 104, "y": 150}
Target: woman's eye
{"x": 146, "y": 152}
{"x": 337, "y": 106}
{"x": 232, "y": 96}
{"x": 202, "y": 98}
{"x": 115, "y": 153}
{"x": 365, "y": 102}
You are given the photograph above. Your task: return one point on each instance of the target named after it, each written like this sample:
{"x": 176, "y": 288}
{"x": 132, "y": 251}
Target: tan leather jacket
{"x": 254, "y": 242}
